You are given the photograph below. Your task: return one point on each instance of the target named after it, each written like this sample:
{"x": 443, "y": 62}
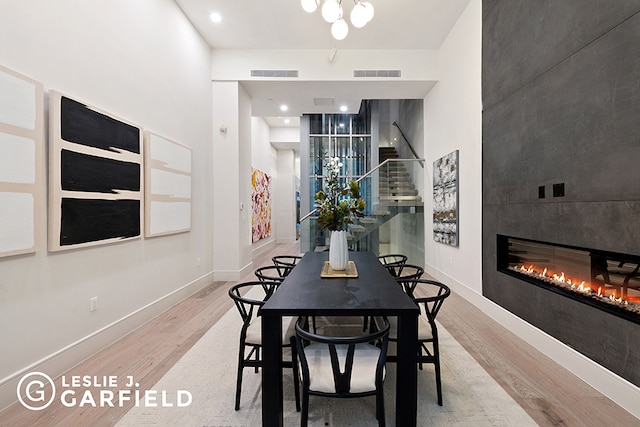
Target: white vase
{"x": 338, "y": 250}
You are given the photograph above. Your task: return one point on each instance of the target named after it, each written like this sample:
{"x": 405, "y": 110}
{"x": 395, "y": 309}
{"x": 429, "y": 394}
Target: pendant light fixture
{"x": 333, "y": 13}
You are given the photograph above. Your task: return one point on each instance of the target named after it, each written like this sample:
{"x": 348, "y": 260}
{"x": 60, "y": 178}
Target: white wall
{"x": 263, "y": 154}
{"x": 141, "y": 61}
{"x": 233, "y": 64}
{"x": 284, "y": 212}
{"x": 453, "y": 121}
{"x": 288, "y": 182}
{"x": 231, "y": 180}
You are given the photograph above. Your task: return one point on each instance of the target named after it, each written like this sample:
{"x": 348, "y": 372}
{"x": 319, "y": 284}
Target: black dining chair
{"x": 248, "y": 298}
{"x": 286, "y": 261}
{"x": 338, "y": 366}
{"x": 272, "y": 273}
{"x": 405, "y": 274}
{"x": 429, "y": 296}
{"x": 392, "y": 261}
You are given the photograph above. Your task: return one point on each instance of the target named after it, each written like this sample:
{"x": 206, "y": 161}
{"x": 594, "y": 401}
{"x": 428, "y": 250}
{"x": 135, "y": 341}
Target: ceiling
{"x": 282, "y": 24}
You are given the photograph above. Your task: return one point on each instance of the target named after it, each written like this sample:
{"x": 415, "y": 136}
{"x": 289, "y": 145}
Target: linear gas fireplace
{"x": 606, "y": 280}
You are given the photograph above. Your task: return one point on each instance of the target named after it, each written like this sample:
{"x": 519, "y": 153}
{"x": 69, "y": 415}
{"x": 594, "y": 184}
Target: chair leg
{"x": 239, "y": 379}
{"x": 296, "y": 374}
{"x": 436, "y": 355}
{"x": 380, "y": 408}
{"x": 257, "y": 349}
{"x": 304, "y": 415}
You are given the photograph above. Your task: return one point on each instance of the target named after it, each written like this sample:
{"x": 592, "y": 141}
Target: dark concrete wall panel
{"x": 524, "y": 39}
{"x": 561, "y": 93}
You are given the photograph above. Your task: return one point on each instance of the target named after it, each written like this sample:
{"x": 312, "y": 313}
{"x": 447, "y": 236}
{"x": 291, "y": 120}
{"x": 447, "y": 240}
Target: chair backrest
{"x": 286, "y": 260}
{"x": 429, "y": 295}
{"x": 392, "y": 262}
{"x": 248, "y": 307}
{"x": 343, "y": 354}
{"x": 406, "y": 273}
{"x": 285, "y": 263}
{"x": 273, "y": 273}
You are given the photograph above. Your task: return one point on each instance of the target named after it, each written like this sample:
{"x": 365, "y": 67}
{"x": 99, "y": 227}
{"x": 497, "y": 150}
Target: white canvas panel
{"x": 173, "y": 155}
{"x": 170, "y": 216}
{"x": 16, "y": 221}
{"x": 17, "y": 101}
{"x": 17, "y": 159}
{"x": 170, "y": 184}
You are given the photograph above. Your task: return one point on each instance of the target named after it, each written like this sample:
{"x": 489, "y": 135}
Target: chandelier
{"x": 332, "y": 12}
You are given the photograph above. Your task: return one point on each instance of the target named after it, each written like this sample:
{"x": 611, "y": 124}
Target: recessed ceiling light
{"x": 287, "y": 121}
{"x": 283, "y": 107}
{"x": 343, "y": 108}
{"x": 216, "y": 17}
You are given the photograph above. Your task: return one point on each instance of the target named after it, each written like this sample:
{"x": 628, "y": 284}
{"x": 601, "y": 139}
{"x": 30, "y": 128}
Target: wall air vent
{"x": 274, "y": 73}
{"x": 377, "y": 73}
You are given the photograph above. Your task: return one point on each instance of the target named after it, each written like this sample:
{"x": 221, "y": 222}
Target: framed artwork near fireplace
{"x": 22, "y": 187}
{"x": 95, "y": 176}
{"x": 168, "y": 186}
{"x": 445, "y": 199}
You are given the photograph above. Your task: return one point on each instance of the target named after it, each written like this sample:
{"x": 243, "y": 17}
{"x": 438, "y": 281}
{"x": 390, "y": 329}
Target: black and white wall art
{"x": 167, "y": 186}
{"x": 445, "y": 199}
{"x": 22, "y": 187}
{"x": 95, "y": 176}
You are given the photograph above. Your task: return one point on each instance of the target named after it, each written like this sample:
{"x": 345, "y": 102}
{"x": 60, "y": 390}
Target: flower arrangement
{"x": 336, "y": 205}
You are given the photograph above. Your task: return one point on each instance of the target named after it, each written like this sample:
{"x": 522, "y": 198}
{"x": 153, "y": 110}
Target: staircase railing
{"x": 409, "y": 144}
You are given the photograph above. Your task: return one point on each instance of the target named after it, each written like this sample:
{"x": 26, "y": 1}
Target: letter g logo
{"x": 32, "y": 391}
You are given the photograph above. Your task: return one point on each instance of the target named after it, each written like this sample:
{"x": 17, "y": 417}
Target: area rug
{"x": 205, "y": 379}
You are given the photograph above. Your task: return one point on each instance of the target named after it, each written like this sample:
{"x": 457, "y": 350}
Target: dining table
{"x": 374, "y": 292}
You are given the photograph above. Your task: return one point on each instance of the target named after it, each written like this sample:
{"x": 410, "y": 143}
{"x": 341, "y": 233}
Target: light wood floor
{"x": 547, "y": 392}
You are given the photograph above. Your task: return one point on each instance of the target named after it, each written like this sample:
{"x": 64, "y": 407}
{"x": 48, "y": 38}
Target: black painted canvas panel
{"x": 82, "y": 172}
{"x": 83, "y": 125}
{"x": 89, "y": 220}
{"x": 96, "y": 176}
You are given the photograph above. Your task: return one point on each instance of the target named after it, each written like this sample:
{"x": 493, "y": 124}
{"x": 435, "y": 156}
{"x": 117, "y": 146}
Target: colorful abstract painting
{"x": 261, "y": 204}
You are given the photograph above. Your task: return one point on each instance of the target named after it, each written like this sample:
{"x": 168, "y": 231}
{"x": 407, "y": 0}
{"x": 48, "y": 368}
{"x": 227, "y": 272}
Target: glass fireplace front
{"x": 607, "y": 280}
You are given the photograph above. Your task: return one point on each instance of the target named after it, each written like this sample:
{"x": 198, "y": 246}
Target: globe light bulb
{"x": 309, "y": 6}
{"x": 369, "y": 12}
{"x": 359, "y": 15}
{"x": 331, "y": 11}
{"x": 339, "y": 29}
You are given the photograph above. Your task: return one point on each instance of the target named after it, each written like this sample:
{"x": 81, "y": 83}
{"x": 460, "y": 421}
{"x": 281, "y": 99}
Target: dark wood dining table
{"x": 373, "y": 293}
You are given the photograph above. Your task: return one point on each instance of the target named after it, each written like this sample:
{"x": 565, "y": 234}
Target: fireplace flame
{"x": 560, "y": 280}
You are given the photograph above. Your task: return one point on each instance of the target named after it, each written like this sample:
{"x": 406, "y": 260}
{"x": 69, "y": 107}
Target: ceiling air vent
{"x": 274, "y": 73}
{"x": 323, "y": 102}
{"x": 377, "y": 73}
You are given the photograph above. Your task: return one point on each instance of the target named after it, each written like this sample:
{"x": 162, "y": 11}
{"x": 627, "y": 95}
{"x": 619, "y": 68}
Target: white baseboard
{"x": 616, "y": 388}
{"x": 67, "y": 357}
{"x": 232, "y": 275}
{"x": 263, "y": 244}
{"x": 286, "y": 241}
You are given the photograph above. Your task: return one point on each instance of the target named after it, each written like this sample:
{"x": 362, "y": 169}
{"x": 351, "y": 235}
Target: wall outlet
{"x": 93, "y": 304}
{"x": 541, "y": 192}
{"x": 198, "y": 262}
{"x": 558, "y": 190}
